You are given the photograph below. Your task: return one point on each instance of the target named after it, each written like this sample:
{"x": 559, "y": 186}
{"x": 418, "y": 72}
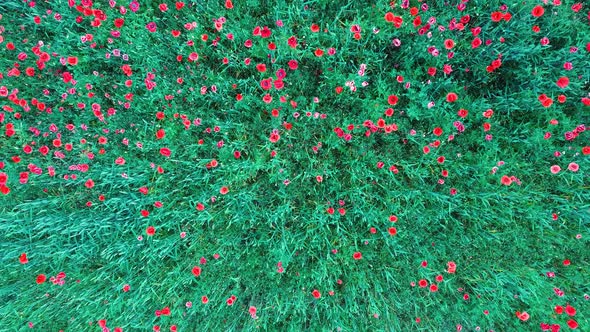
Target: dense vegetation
{"x": 294, "y": 165}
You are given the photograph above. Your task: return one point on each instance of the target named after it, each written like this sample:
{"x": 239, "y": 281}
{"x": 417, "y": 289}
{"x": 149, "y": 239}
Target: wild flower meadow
{"x": 297, "y": 165}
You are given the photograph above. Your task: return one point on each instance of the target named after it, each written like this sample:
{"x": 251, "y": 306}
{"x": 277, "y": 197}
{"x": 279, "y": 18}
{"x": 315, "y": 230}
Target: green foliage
{"x": 299, "y": 205}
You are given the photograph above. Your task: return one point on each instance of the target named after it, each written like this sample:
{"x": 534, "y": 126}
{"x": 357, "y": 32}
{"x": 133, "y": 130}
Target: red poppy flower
{"x": 449, "y": 43}
{"x": 261, "y": 67}
{"x": 392, "y": 231}
{"x": 476, "y": 42}
{"x": 318, "y": 52}
{"x": 571, "y": 311}
{"x": 506, "y": 180}
{"x": 572, "y": 324}
{"x": 451, "y": 97}
{"x": 266, "y": 84}
{"x": 357, "y": 255}
{"x": 41, "y": 279}
{"x": 422, "y": 283}
{"x": 451, "y": 267}
{"x": 538, "y": 11}
{"x": 558, "y": 309}
{"x": 279, "y": 84}
{"x": 165, "y": 152}
{"x": 315, "y": 28}
{"x": 150, "y": 231}
{"x": 4, "y": 190}
{"x": 229, "y": 4}
{"x": 389, "y": 17}
{"x": 204, "y": 299}
{"x": 160, "y": 134}
{"x": 497, "y": 16}
{"x": 563, "y": 82}
{"x": 433, "y": 288}
{"x": 397, "y": 21}
{"x": 119, "y": 22}
{"x": 224, "y": 190}
{"x": 23, "y": 258}
{"x": 392, "y": 100}
{"x": 524, "y": 316}
{"x": 120, "y": 161}
{"x": 547, "y": 102}
{"x": 89, "y": 183}
{"x": 196, "y": 270}
{"x": 316, "y": 294}
{"x": 274, "y": 137}
{"x": 265, "y": 32}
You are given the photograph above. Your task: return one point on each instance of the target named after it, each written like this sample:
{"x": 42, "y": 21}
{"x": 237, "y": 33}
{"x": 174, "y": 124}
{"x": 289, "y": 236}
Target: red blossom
{"x": 23, "y": 258}
{"x": 538, "y": 11}
{"x": 196, "y": 271}
{"x": 563, "y": 82}
{"x": 316, "y": 294}
{"x": 40, "y": 279}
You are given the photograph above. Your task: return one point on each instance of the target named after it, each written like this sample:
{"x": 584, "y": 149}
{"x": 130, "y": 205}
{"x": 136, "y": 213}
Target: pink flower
{"x": 555, "y": 169}
{"x": 151, "y": 27}
{"x": 573, "y": 167}
{"x": 523, "y": 316}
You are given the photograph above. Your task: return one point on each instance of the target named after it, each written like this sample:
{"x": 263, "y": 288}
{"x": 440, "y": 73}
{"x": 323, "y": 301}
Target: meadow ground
{"x": 294, "y": 165}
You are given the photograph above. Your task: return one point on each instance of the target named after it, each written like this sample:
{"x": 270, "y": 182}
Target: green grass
{"x": 271, "y": 240}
